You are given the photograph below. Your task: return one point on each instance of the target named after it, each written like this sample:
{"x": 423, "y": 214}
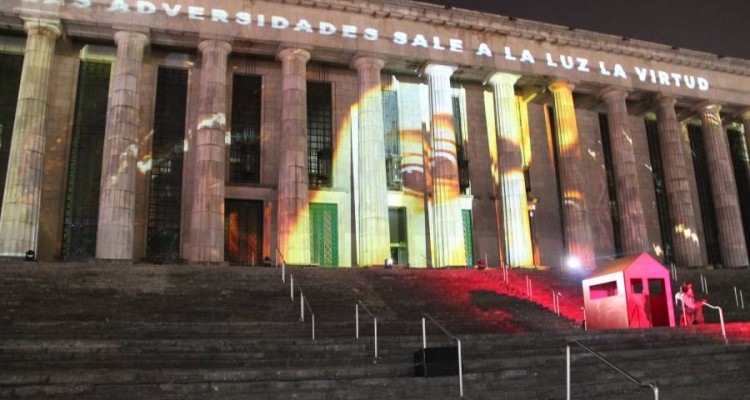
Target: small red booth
{"x": 631, "y": 292}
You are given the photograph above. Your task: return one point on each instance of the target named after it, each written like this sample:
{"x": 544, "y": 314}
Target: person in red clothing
{"x": 693, "y": 308}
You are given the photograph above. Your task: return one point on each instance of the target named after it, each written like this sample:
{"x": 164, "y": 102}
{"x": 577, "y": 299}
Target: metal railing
{"x": 458, "y": 343}
{"x": 374, "y": 319}
{"x": 609, "y": 363}
{"x": 556, "y": 296}
{"x": 302, "y": 303}
{"x": 721, "y": 319}
{"x": 283, "y": 264}
{"x": 739, "y": 300}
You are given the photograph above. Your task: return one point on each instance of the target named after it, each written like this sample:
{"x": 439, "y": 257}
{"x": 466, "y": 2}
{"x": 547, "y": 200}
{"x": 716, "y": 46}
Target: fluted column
{"x": 516, "y": 226}
{"x": 114, "y": 237}
{"x": 686, "y": 246}
{"x": 294, "y": 214}
{"x": 632, "y": 221}
{"x": 19, "y": 222}
{"x": 374, "y": 234}
{"x": 207, "y": 210}
{"x": 724, "y": 188}
{"x": 448, "y": 235}
{"x": 745, "y": 117}
{"x": 576, "y": 227}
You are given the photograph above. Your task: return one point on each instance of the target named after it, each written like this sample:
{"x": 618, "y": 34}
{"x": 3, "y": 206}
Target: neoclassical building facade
{"x": 343, "y": 133}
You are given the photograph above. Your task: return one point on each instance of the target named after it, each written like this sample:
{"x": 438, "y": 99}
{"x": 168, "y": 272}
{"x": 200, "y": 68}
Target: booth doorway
{"x": 657, "y": 302}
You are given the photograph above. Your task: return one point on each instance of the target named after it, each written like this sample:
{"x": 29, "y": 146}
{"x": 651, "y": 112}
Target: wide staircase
{"x": 112, "y": 331}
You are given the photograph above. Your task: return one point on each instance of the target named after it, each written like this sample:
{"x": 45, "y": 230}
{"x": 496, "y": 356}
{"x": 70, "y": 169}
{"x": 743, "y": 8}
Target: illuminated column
{"x": 632, "y": 221}
{"x": 686, "y": 246}
{"x": 724, "y": 188}
{"x": 207, "y": 212}
{"x": 448, "y": 236}
{"x": 745, "y": 116}
{"x": 19, "y": 223}
{"x": 517, "y": 238}
{"x": 374, "y": 234}
{"x": 576, "y": 227}
{"x": 294, "y": 215}
{"x": 114, "y": 236}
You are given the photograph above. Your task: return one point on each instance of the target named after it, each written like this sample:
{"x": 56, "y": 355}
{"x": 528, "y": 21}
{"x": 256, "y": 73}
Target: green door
{"x": 468, "y": 241}
{"x": 324, "y": 234}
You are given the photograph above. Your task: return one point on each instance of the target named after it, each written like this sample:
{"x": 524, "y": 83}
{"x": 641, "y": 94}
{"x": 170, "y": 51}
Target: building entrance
{"x": 243, "y": 231}
{"x": 324, "y": 234}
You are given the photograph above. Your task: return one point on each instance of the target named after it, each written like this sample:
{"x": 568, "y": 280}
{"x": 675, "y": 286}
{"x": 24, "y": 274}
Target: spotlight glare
{"x": 573, "y": 262}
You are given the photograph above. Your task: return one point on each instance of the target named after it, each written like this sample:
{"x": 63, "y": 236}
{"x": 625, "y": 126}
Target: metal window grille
{"x": 705, "y": 196}
{"x": 741, "y": 164}
{"x": 660, "y": 190}
{"x": 165, "y": 194}
{"x": 244, "y": 152}
{"x": 611, "y": 185}
{"x": 319, "y": 134}
{"x": 392, "y": 132}
{"x": 462, "y": 153}
{"x": 85, "y": 166}
{"x": 10, "y": 69}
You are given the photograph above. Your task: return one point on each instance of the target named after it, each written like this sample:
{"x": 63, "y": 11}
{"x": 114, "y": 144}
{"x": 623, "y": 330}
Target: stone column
{"x": 724, "y": 188}
{"x": 448, "y": 234}
{"x": 294, "y": 213}
{"x": 632, "y": 221}
{"x": 686, "y": 246}
{"x": 575, "y": 224}
{"x": 745, "y": 117}
{"x": 516, "y": 226}
{"x": 209, "y": 156}
{"x": 19, "y": 223}
{"x": 114, "y": 236}
{"x": 374, "y": 233}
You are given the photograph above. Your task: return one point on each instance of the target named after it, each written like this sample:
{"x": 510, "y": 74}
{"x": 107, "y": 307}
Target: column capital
{"x": 744, "y": 115}
{"x": 289, "y": 53}
{"x": 560, "y": 84}
{"x": 707, "y": 106}
{"x": 499, "y": 78}
{"x": 664, "y": 101}
{"x": 210, "y": 44}
{"x": 439, "y": 69}
{"x": 612, "y": 93}
{"x": 365, "y": 62}
{"x": 124, "y": 36}
{"x": 42, "y": 27}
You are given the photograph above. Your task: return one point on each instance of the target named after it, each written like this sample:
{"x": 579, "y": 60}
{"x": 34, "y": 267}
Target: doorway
{"x": 243, "y": 231}
{"x": 324, "y": 234}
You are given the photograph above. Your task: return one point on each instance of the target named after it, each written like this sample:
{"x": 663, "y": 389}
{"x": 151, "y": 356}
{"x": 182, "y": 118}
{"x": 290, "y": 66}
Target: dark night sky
{"x": 715, "y": 26}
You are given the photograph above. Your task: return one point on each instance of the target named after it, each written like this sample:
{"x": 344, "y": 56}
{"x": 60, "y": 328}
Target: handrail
{"x": 302, "y": 302}
{"x": 374, "y": 318}
{"x": 458, "y": 342}
{"x": 561, "y": 296}
{"x": 609, "y": 363}
{"x": 721, "y": 319}
{"x": 556, "y": 295}
{"x": 283, "y": 264}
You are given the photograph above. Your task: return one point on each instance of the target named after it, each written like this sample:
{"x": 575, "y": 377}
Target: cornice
{"x": 532, "y": 30}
